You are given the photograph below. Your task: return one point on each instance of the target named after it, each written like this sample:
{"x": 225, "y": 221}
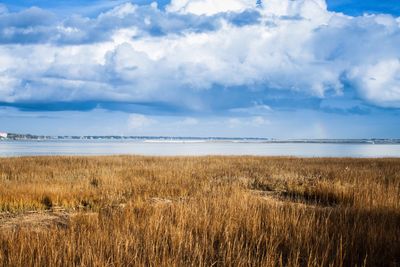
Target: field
{"x": 199, "y": 211}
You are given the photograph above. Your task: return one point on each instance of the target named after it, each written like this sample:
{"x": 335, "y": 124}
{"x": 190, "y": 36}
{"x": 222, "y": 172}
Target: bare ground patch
{"x": 35, "y": 220}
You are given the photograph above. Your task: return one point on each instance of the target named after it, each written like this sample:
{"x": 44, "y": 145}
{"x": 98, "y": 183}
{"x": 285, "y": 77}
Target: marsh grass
{"x": 203, "y": 211}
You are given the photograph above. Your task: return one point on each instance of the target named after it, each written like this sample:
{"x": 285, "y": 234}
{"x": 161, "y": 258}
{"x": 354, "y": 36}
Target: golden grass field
{"x": 199, "y": 211}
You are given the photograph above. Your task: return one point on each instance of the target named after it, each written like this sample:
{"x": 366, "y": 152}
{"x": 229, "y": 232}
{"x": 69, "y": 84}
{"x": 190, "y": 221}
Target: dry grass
{"x": 200, "y": 211}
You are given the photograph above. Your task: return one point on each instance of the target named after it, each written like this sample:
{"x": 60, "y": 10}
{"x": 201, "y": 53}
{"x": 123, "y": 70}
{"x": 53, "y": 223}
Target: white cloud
{"x": 296, "y": 46}
{"x": 121, "y": 11}
{"x": 6, "y": 87}
{"x": 209, "y": 7}
{"x": 315, "y": 10}
{"x": 139, "y": 121}
{"x": 379, "y": 83}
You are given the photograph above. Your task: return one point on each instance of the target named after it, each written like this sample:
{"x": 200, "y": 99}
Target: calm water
{"x": 88, "y": 147}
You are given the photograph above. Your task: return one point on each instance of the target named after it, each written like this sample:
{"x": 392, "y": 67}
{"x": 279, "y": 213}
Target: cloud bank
{"x": 199, "y": 56}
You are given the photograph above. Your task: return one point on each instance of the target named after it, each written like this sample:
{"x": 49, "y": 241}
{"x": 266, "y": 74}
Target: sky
{"x": 231, "y": 68}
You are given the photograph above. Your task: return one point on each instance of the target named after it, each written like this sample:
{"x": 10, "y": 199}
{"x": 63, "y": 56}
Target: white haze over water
{"x": 91, "y": 147}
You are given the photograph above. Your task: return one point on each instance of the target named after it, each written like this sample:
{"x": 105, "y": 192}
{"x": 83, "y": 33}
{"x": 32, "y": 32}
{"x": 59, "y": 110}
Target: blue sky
{"x": 270, "y": 68}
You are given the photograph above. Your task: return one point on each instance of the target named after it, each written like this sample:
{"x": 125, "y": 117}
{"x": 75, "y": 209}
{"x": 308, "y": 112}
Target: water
{"x": 132, "y": 147}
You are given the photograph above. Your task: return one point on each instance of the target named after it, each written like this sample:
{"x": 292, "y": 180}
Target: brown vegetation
{"x": 199, "y": 211}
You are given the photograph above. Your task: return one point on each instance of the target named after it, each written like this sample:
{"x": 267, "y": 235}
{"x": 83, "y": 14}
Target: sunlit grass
{"x": 203, "y": 211}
